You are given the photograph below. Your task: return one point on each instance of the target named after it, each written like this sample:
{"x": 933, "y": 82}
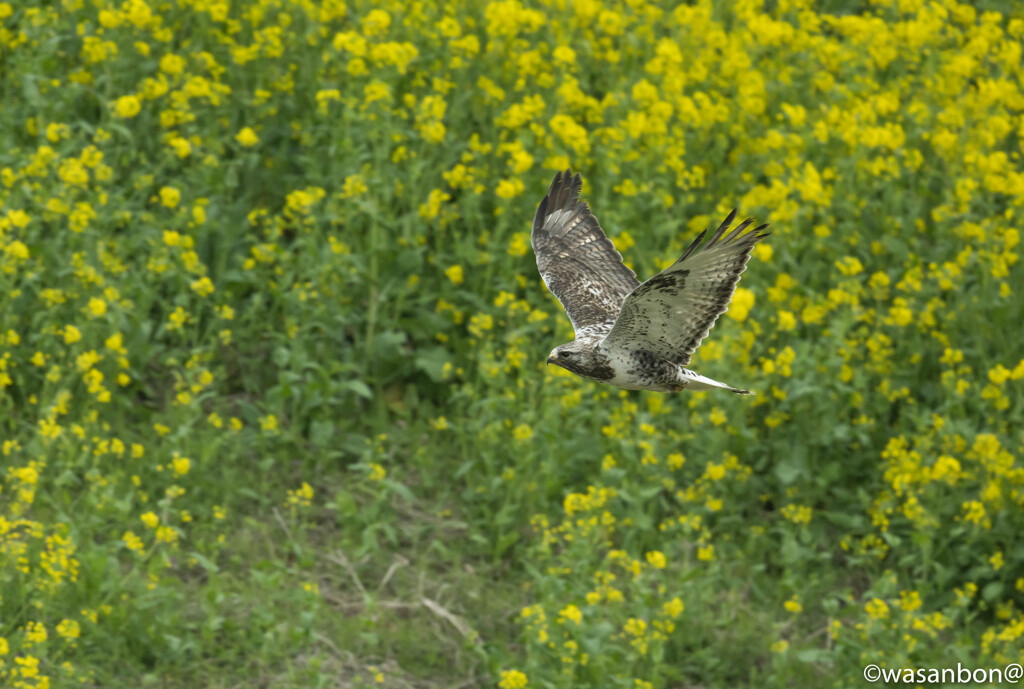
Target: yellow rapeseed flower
{"x": 564, "y": 54}
{"x": 169, "y": 197}
{"x": 376, "y": 22}
{"x": 127, "y": 106}
{"x": 172, "y": 64}
{"x": 571, "y": 613}
{"x": 877, "y": 609}
{"x": 509, "y": 188}
{"x": 910, "y": 600}
{"x": 454, "y": 273}
{"x": 522, "y": 432}
{"x": 203, "y": 286}
{"x": 999, "y": 374}
{"x": 354, "y": 185}
{"x": 35, "y": 632}
{"x": 97, "y": 307}
{"x": 849, "y": 265}
{"x": 182, "y": 147}
{"x": 520, "y": 244}
{"x": 786, "y": 320}
{"x": 376, "y": 91}
{"x": 69, "y": 629}
{"x": 17, "y": 249}
{"x": 571, "y": 133}
{"x": 742, "y": 302}
{"x": 247, "y": 137}
{"x": 432, "y": 208}
{"x": 18, "y": 218}
{"x": 674, "y": 608}
{"x": 513, "y": 679}
{"x": 181, "y": 465}
{"x": 166, "y": 534}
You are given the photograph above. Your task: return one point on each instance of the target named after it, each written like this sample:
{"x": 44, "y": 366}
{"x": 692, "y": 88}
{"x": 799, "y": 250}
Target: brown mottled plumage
{"x": 633, "y": 335}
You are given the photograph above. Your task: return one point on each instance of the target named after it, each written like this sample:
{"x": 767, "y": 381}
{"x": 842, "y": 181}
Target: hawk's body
{"x": 633, "y": 335}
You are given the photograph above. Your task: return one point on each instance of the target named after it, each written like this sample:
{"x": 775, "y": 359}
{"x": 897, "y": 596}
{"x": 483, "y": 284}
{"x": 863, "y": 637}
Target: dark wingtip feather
{"x": 577, "y": 184}
{"x": 752, "y": 237}
{"x": 693, "y": 247}
{"x": 557, "y": 198}
{"x": 563, "y": 195}
{"x": 722, "y": 228}
{"x": 565, "y": 190}
{"x": 542, "y": 212}
{"x": 739, "y": 230}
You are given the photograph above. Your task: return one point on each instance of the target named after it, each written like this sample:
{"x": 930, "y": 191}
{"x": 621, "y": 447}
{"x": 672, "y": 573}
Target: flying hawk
{"x": 636, "y": 336}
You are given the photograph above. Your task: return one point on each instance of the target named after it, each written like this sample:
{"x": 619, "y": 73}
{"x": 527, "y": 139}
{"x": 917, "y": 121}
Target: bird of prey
{"x": 632, "y": 335}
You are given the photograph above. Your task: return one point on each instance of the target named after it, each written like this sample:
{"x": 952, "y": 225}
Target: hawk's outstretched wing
{"x": 578, "y": 262}
{"x": 672, "y": 312}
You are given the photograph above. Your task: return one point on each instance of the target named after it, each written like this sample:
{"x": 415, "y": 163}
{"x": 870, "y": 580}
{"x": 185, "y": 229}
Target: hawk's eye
{"x": 566, "y": 354}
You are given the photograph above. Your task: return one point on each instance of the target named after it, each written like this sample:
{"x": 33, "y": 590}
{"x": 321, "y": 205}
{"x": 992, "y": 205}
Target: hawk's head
{"x": 575, "y": 356}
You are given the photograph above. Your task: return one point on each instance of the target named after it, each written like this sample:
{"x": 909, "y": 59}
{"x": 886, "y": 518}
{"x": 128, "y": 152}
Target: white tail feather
{"x": 695, "y": 381}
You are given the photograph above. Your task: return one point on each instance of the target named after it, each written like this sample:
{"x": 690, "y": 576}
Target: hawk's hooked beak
{"x": 556, "y": 361}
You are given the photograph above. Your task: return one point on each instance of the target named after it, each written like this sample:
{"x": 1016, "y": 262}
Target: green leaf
{"x": 432, "y": 362}
{"x": 208, "y": 564}
{"x": 359, "y": 387}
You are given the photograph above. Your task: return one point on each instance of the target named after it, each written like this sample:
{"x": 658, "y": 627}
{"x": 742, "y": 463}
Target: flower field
{"x": 273, "y": 403}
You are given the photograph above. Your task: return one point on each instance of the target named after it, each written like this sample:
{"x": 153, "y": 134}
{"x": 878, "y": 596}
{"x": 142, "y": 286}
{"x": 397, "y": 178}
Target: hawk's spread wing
{"x": 578, "y": 262}
{"x": 672, "y": 312}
